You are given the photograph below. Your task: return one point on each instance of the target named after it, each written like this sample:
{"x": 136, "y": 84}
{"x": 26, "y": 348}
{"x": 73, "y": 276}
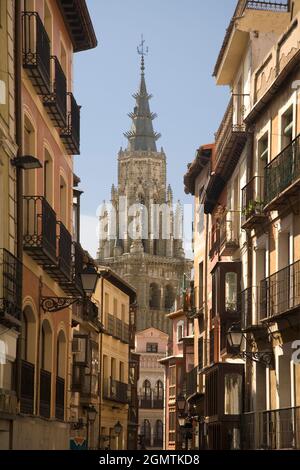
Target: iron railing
{"x": 116, "y": 391}
{"x": 280, "y": 292}
{"x": 10, "y": 285}
{"x": 268, "y": 6}
{"x": 229, "y": 229}
{"x": 283, "y": 171}
{"x": 271, "y": 430}
{"x": 151, "y": 403}
{"x": 78, "y": 258}
{"x": 27, "y": 388}
{"x": 45, "y": 393}
{"x": 249, "y": 299}
{"x": 56, "y": 101}
{"x": 70, "y": 135}
{"x": 36, "y": 51}
{"x": 191, "y": 382}
{"x": 65, "y": 251}
{"x": 60, "y": 399}
{"x": 40, "y": 229}
{"x": 253, "y": 199}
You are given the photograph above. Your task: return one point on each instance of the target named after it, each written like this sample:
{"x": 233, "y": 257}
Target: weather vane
{"x": 143, "y": 52}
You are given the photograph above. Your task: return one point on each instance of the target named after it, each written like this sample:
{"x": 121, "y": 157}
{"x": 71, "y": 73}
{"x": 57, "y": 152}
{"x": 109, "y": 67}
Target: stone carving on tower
{"x": 140, "y": 227}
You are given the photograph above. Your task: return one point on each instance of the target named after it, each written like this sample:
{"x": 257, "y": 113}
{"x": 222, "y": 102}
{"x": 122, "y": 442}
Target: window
{"x": 231, "y": 291}
{"x": 172, "y": 426}
{"x": 287, "y": 125}
{"x": 154, "y": 298}
{"x": 233, "y": 394}
{"x": 180, "y": 331}
{"x": 121, "y": 372}
{"x": 63, "y": 201}
{"x": 158, "y": 439}
{"x": 200, "y": 353}
{"x": 263, "y": 153}
{"x": 212, "y": 346}
{"x": 29, "y": 149}
{"x": 106, "y": 303}
{"x": 146, "y": 432}
{"x": 48, "y": 177}
{"x": 151, "y": 347}
{"x": 169, "y": 297}
{"x": 200, "y": 285}
{"x": 159, "y": 390}
{"x": 63, "y": 59}
{"x": 115, "y": 307}
{"x": 48, "y": 22}
{"x": 147, "y": 390}
{"x": 172, "y": 381}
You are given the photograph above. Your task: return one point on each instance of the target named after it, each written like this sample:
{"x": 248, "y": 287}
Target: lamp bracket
{"x": 262, "y": 357}
{"x": 56, "y": 304}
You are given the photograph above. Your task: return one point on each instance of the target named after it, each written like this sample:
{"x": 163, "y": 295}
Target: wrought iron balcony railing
{"x": 229, "y": 233}
{"x": 10, "y": 287}
{"x": 277, "y": 6}
{"x": 56, "y": 101}
{"x": 36, "y": 52}
{"x": 271, "y": 430}
{"x": 116, "y": 391}
{"x": 70, "y": 135}
{"x": 280, "y": 293}
{"x": 40, "y": 238}
{"x": 60, "y": 399}
{"x": 191, "y": 382}
{"x": 253, "y": 203}
{"x": 74, "y": 286}
{"x": 282, "y": 176}
{"x": 45, "y": 393}
{"x": 149, "y": 403}
{"x": 27, "y": 388}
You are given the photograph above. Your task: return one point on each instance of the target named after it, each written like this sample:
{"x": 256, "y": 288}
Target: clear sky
{"x": 184, "y": 38}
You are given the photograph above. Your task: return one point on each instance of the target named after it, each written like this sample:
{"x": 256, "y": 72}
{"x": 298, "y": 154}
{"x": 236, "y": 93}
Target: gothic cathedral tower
{"x": 153, "y": 262}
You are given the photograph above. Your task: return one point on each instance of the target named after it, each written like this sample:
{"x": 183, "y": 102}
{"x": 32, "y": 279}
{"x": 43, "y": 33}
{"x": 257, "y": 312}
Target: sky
{"x": 184, "y": 38}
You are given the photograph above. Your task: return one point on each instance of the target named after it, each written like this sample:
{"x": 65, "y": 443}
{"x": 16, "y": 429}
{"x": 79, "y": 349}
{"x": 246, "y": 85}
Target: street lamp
{"x": 89, "y": 277}
{"x": 91, "y": 414}
{"x": 181, "y": 404}
{"x": 118, "y": 428}
{"x": 235, "y": 338}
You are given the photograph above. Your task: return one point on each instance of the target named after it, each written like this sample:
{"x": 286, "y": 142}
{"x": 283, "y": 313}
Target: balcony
{"x": 10, "y": 288}
{"x": 280, "y": 293}
{"x": 39, "y": 239}
{"x": 117, "y": 328}
{"x": 229, "y": 233}
{"x": 36, "y": 52}
{"x": 150, "y": 403}
{"x": 253, "y": 203}
{"x": 45, "y": 393}
{"x": 192, "y": 382}
{"x": 282, "y": 176}
{"x": 70, "y": 135}
{"x": 62, "y": 271}
{"x": 231, "y": 137}
{"x": 73, "y": 286}
{"x": 271, "y": 430}
{"x": 268, "y": 6}
{"x": 27, "y": 388}
{"x": 60, "y": 399}
{"x": 115, "y": 390}
{"x": 56, "y": 101}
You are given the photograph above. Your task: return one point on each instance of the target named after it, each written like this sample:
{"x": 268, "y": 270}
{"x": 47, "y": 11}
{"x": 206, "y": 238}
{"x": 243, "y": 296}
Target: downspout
{"x": 249, "y": 368}
{"x": 101, "y": 364}
{"x": 206, "y": 322}
{"x": 19, "y": 171}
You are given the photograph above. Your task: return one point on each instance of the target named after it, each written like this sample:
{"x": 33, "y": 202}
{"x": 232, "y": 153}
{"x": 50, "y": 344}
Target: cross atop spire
{"x": 142, "y": 136}
{"x": 142, "y": 52}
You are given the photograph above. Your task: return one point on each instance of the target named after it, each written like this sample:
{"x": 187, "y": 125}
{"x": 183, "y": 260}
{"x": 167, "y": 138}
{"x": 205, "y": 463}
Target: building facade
{"x": 41, "y": 258}
{"x": 10, "y": 266}
{"x": 246, "y": 251}
{"x": 151, "y": 345}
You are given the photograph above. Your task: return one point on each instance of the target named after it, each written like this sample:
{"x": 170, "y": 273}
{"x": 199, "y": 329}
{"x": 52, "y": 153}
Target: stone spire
{"x": 141, "y": 136}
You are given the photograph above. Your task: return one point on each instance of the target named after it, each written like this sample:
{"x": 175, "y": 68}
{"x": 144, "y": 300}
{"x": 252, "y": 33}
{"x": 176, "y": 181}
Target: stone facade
{"x": 153, "y": 263}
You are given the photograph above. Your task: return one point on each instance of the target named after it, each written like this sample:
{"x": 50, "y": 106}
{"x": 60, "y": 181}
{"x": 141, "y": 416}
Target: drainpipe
{"x": 101, "y": 365}
{"x": 19, "y": 171}
{"x": 249, "y": 369}
{"x": 206, "y": 322}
